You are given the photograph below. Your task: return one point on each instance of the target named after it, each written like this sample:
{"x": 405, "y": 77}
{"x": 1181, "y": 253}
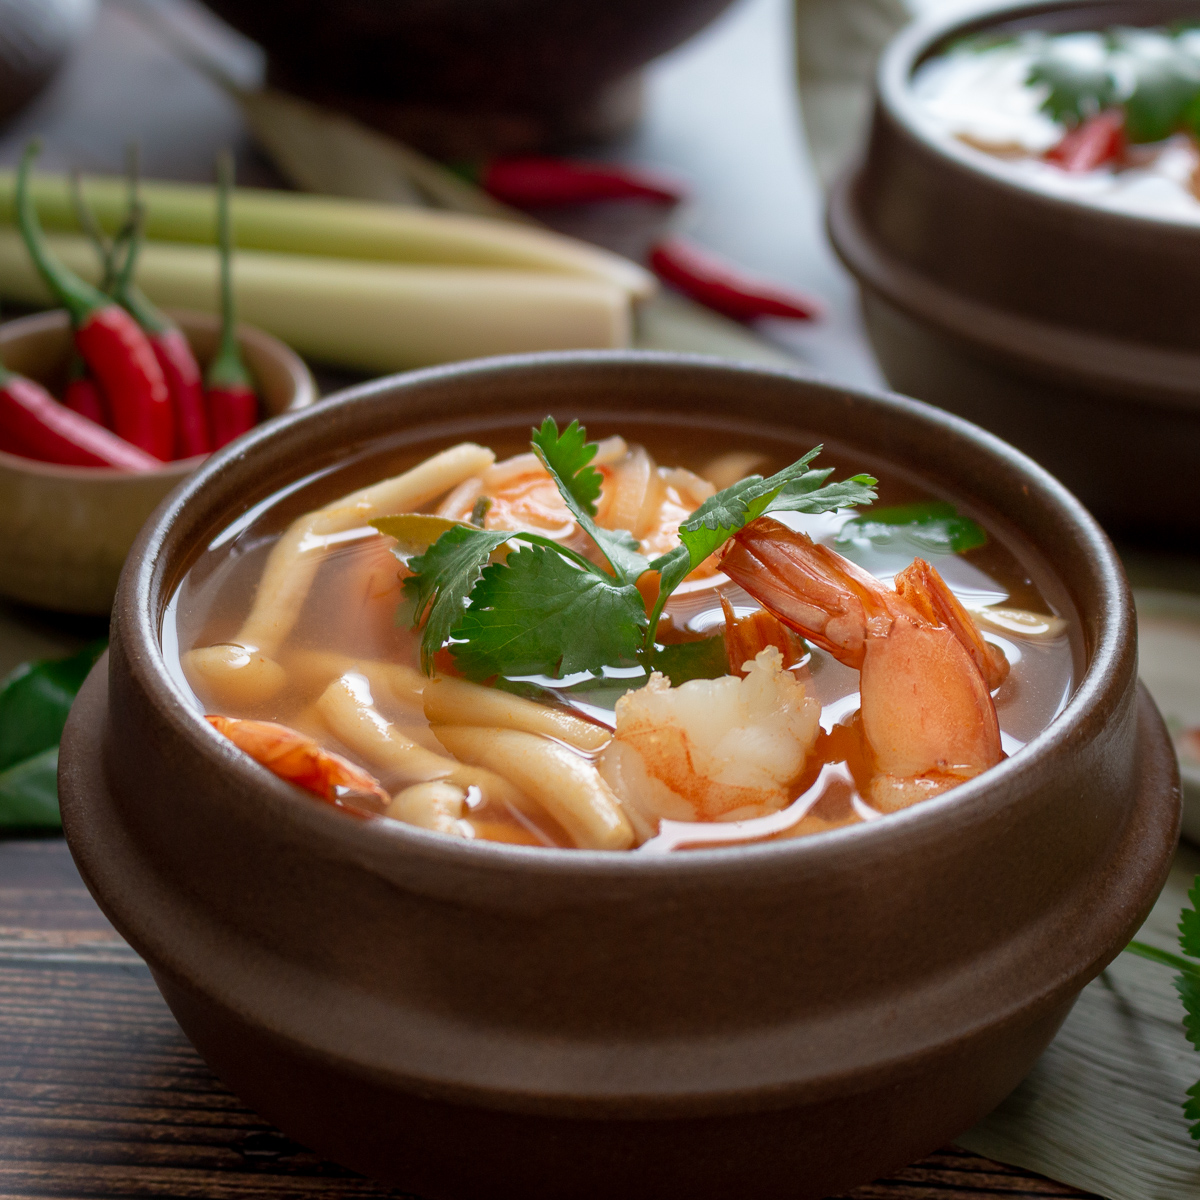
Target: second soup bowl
{"x": 794, "y": 1017}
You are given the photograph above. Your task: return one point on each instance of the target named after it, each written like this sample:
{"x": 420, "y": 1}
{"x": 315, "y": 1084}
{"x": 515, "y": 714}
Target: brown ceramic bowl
{"x": 1066, "y": 329}
{"x": 65, "y": 531}
{"x": 462, "y": 1019}
{"x": 467, "y": 80}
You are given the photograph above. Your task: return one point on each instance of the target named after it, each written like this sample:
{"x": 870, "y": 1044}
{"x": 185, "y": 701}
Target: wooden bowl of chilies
{"x": 64, "y": 530}
{"x": 458, "y": 1017}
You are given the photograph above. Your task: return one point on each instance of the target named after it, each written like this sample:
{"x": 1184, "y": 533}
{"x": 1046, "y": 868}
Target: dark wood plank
{"x": 102, "y": 1096}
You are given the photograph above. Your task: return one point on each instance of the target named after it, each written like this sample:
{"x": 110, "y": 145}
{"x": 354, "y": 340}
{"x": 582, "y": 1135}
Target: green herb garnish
{"x": 521, "y": 604}
{"x": 931, "y": 526}
{"x": 1079, "y": 76}
{"x": 797, "y": 488}
{"x": 1164, "y": 80}
{"x": 1187, "y": 984}
{"x": 34, "y": 701}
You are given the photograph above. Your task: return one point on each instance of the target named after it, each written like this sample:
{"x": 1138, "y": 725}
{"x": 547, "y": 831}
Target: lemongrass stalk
{"x": 368, "y": 316}
{"x": 289, "y": 222}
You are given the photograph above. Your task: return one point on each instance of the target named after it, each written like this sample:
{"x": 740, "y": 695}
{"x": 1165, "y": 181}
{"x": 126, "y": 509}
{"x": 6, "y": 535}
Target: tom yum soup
{"x": 616, "y": 646}
{"x": 1109, "y": 118}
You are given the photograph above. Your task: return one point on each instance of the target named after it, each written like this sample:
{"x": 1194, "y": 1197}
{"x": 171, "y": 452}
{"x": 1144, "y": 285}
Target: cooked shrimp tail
{"x": 298, "y": 759}
{"x": 926, "y": 591}
{"x": 809, "y": 587}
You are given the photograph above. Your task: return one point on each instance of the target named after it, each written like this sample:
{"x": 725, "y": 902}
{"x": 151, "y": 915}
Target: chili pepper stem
{"x": 78, "y": 297}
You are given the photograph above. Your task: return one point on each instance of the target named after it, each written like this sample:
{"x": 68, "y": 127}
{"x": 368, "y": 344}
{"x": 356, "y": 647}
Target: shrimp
{"x": 636, "y": 495}
{"x": 926, "y": 673}
{"x": 300, "y": 760}
{"x": 711, "y": 749}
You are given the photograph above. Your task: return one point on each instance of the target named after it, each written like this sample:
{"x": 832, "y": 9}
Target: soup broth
{"x": 351, "y": 679}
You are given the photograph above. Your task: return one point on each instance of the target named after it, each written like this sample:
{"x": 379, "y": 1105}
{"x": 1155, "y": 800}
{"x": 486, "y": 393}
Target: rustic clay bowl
{"x": 467, "y": 80}
{"x": 65, "y": 531}
{"x": 461, "y": 1019}
{"x": 1067, "y": 329}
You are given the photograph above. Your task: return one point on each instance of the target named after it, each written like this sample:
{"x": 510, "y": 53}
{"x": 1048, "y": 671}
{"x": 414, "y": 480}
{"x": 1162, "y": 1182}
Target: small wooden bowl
{"x": 65, "y": 531}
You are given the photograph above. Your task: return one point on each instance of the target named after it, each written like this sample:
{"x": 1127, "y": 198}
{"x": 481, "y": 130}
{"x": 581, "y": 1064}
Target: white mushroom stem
{"x": 567, "y": 786}
{"x": 348, "y": 709}
{"x": 456, "y": 702}
{"x": 436, "y": 805}
{"x": 293, "y": 564}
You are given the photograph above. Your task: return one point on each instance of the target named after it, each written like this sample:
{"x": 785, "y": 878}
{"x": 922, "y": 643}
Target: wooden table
{"x": 100, "y": 1093}
{"x": 102, "y": 1096}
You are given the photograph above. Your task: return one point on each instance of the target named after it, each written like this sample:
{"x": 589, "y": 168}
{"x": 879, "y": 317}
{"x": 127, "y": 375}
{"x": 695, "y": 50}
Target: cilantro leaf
{"x": 794, "y": 489}
{"x": 705, "y": 658}
{"x": 539, "y": 614}
{"x": 722, "y": 515}
{"x": 1164, "y": 81}
{"x": 1077, "y": 71}
{"x": 566, "y": 456}
{"x": 442, "y": 580}
{"x": 931, "y": 526}
{"x": 1187, "y": 984}
{"x": 1189, "y": 923}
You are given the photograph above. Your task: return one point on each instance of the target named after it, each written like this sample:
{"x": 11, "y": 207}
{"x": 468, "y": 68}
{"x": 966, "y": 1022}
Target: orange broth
{"x": 351, "y": 610}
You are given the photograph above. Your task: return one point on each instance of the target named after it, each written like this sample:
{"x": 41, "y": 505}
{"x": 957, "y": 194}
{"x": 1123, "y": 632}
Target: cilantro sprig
{"x": 517, "y": 603}
{"x": 1187, "y": 984}
{"x": 797, "y": 488}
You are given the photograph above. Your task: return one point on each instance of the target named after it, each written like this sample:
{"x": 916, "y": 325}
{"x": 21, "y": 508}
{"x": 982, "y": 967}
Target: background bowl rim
{"x": 145, "y": 575}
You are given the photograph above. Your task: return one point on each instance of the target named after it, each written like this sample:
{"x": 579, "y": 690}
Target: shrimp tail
{"x": 300, "y": 760}
{"x": 809, "y": 587}
{"x": 926, "y": 591}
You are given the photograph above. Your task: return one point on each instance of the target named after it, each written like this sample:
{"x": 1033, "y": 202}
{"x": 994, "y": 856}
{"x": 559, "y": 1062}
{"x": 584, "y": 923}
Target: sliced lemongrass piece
{"x": 1020, "y": 621}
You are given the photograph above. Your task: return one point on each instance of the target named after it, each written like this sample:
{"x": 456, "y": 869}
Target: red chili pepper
{"x": 34, "y": 425}
{"x": 532, "y": 182}
{"x": 171, "y": 349}
{"x": 232, "y": 402}
{"x": 724, "y": 288}
{"x": 117, "y": 352}
{"x": 1098, "y": 140}
{"x": 82, "y": 395}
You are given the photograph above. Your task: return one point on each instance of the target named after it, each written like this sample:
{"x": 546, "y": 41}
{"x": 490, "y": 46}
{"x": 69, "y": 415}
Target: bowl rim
{"x": 145, "y": 590}
{"x": 928, "y": 35}
{"x": 304, "y": 395}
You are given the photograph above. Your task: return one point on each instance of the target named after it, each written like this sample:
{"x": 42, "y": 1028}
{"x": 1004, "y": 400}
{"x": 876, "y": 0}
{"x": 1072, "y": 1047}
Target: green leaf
{"x": 1191, "y": 1110}
{"x": 931, "y": 526}
{"x": 1165, "y": 81}
{"x": 539, "y": 614}
{"x": 722, "y": 515}
{"x": 1189, "y": 923}
{"x": 705, "y": 658}
{"x": 29, "y": 793}
{"x": 35, "y": 700}
{"x": 1077, "y": 71}
{"x": 566, "y": 456}
{"x": 442, "y": 580}
{"x": 1187, "y": 984}
{"x": 796, "y": 488}
{"x": 416, "y": 532}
